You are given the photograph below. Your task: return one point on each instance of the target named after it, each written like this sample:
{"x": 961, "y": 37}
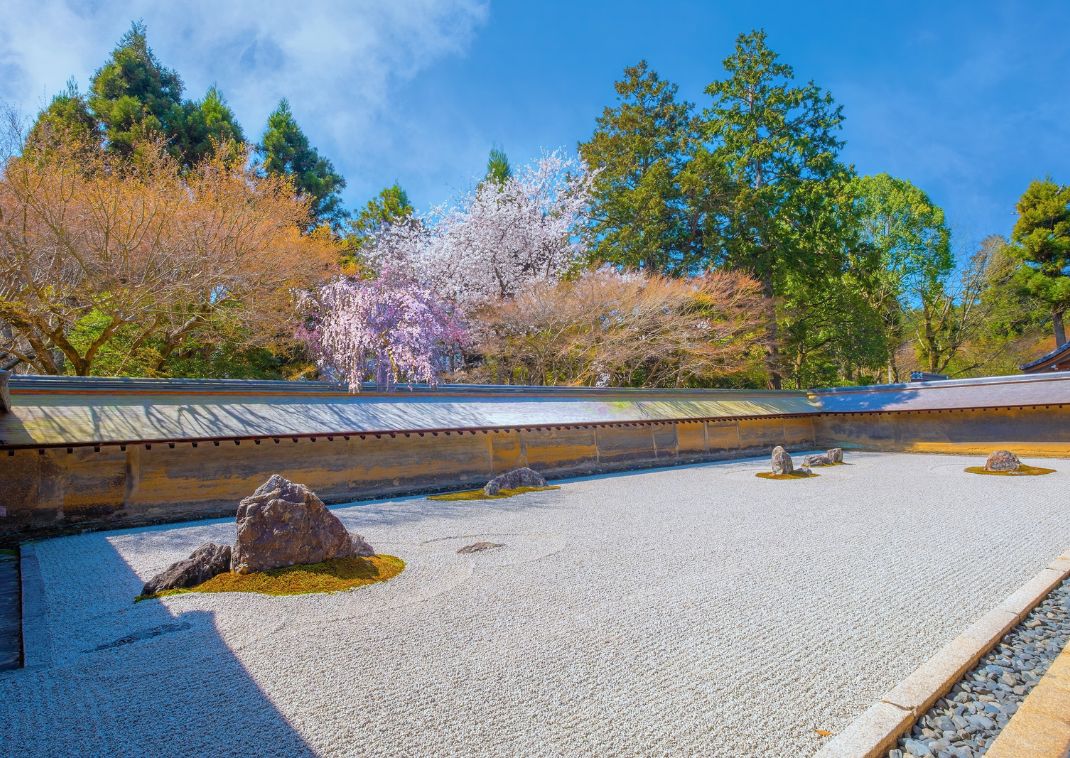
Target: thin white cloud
{"x": 337, "y": 61}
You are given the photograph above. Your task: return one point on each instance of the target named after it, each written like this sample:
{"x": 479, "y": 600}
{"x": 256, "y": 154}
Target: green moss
{"x": 335, "y": 575}
{"x": 480, "y": 495}
{"x": 1023, "y": 470}
{"x": 796, "y": 474}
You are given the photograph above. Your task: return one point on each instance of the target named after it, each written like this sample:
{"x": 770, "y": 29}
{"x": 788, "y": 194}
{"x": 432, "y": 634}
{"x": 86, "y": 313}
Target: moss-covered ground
{"x": 335, "y": 575}
{"x": 796, "y": 474}
{"x": 1023, "y": 470}
{"x": 480, "y": 495}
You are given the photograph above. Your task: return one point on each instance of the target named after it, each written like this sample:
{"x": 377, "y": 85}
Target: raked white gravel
{"x": 688, "y": 611}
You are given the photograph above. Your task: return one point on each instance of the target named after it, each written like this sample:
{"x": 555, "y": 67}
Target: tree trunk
{"x": 772, "y": 352}
{"x": 1060, "y": 332}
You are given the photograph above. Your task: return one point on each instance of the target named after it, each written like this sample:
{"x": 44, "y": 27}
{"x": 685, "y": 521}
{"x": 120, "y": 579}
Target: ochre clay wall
{"x": 56, "y": 490}
{"x": 1030, "y": 431}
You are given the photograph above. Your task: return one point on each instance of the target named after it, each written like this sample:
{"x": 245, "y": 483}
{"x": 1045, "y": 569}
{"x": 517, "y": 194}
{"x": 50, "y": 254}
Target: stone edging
{"x": 36, "y": 639}
{"x": 876, "y": 731}
{"x": 1041, "y": 727}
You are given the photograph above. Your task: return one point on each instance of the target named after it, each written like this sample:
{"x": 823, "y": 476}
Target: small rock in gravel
{"x": 478, "y": 547}
{"x": 511, "y": 480}
{"x": 916, "y": 747}
{"x": 1002, "y": 460}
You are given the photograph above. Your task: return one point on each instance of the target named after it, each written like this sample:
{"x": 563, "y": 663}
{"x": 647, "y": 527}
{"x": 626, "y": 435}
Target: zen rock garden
{"x": 284, "y": 524}
{"x": 784, "y": 468}
{"x": 281, "y": 524}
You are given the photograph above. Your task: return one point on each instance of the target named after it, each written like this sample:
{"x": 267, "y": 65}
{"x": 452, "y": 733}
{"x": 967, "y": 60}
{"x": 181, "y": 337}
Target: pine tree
{"x": 208, "y": 124}
{"x": 134, "y": 97}
{"x": 1042, "y": 234}
{"x": 390, "y": 206}
{"x": 498, "y": 168}
{"x": 640, "y": 148}
{"x": 286, "y": 151}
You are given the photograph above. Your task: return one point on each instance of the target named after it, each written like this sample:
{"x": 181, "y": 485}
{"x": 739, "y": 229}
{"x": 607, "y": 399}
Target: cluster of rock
{"x": 510, "y": 480}
{"x": 281, "y": 524}
{"x": 782, "y": 463}
{"x": 966, "y": 720}
{"x": 1002, "y": 460}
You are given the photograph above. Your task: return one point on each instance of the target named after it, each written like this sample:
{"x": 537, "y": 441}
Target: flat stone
{"x": 479, "y": 547}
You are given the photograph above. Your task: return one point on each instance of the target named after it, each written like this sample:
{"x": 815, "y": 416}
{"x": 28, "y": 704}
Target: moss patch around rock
{"x": 793, "y": 475}
{"x": 480, "y": 495}
{"x": 335, "y": 575}
{"x": 1023, "y": 470}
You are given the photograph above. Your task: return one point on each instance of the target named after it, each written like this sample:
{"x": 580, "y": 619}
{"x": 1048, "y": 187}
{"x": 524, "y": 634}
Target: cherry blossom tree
{"x": 388, "y": 329}
{"x": 498, "y": 239}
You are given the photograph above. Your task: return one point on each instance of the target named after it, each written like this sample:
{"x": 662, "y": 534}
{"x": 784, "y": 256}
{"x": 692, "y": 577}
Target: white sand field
{"x": 689, "y": 611}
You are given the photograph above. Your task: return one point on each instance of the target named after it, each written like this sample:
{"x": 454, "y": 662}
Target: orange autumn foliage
{"x": 151, "y": 252}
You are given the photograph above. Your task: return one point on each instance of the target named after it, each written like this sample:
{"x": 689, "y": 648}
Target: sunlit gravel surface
{"x": 688, "y": 611}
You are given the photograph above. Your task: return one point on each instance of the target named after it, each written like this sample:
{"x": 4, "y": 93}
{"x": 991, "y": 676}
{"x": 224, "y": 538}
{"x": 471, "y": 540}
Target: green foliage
{"x": 390, "y": 206}
{"x": 67, "y": 118}
{"x": 286, "y": 151}
{"x": 498, "y": 169}
{"x": 124, "y": 354}
{"x": 1042, "y": 234}
{"x": 642, "y": 217}
{"x": 908, "y": 234}
{"x": 207, "y": 125}
{"x": 134, "y": 97}
{"x": 777, "y": 146}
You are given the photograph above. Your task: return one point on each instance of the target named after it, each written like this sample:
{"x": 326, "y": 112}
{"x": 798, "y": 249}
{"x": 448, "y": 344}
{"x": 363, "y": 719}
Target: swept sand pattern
{"x": 697, "y": 610}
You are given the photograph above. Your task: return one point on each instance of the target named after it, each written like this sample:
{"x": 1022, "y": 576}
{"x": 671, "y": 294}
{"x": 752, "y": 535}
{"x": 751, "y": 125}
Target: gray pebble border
{"x": 967, "y": 720}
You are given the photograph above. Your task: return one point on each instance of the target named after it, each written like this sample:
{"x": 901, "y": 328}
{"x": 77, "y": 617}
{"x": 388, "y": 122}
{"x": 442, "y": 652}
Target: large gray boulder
{"x": 510, "y": 480}
{"x": 205, "y": 562}
{"x": 284, "y": 524}
{"x": 782, "y": 461}
{"x": 1002, "y": 460}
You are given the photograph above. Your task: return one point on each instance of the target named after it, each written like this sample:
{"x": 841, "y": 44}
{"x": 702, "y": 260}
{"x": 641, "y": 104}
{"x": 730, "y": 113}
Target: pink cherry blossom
{"x": 388, "y": 329}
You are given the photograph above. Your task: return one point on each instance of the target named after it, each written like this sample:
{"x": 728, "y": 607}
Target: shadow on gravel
{"x": 167, "y": 684}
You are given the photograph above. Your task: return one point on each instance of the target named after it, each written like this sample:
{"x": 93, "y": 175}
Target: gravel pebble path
{"x": 968, "y": 719}
{"x": 690, "y": 611}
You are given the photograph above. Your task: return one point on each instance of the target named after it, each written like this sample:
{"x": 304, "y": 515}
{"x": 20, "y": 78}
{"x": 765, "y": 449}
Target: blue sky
{"x": 969, "y": 100}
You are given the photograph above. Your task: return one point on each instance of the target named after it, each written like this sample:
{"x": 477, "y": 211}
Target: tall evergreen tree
{"x": 1042, "y": 234}
{"x": 135, "y": 97}
{"x": 640, "y": 148}
{"x": 777, "y": 143}
{"x": 206, "y": 125}
{"x": 286, "y": 151}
